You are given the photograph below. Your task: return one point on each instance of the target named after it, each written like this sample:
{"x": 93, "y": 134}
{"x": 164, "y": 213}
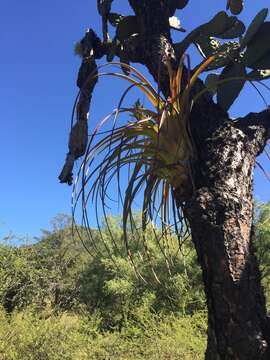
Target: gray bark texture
{"x": 220, "y": 207}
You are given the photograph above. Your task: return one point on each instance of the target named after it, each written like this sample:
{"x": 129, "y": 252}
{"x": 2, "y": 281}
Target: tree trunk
{"x": 220, "y": 213}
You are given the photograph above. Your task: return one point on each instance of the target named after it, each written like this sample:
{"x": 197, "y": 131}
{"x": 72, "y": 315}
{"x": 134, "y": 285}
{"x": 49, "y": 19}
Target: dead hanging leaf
{"x": 231, "y": 82}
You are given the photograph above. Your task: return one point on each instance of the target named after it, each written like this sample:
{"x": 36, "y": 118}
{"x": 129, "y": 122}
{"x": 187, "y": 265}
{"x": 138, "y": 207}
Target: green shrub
{"x": 25, "y": 336}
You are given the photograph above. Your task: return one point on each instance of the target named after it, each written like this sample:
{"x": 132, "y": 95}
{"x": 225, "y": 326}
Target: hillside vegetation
{"x": 57, "y": 301}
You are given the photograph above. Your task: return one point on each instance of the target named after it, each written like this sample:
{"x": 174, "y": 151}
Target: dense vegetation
{"x": 59, "y": 302}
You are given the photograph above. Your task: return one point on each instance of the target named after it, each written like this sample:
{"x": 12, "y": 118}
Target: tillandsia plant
{"x": 155, "y": 147}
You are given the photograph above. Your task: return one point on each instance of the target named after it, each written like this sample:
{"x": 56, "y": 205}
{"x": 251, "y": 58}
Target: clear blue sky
{"x": 38, "y": 75}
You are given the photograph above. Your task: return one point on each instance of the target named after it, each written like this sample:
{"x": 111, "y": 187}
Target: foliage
{"x": 41, "y": 275}
{"x": 262, "y": 244}
{"x": 112, "y": 314}
{"x": 104, "y": 308}
{"x": 26, "y": 336}
{"x": 120, "y": 289}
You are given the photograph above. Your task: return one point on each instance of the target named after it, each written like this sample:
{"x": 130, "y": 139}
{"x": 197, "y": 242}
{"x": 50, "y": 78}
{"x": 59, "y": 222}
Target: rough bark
{"x": 220, "y": 208}
{"x": 220, "y": 217}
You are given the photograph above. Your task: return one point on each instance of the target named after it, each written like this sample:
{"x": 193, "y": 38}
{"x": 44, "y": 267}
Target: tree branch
{"x": 86, "y": 81}
{"x": 256, "y": 126}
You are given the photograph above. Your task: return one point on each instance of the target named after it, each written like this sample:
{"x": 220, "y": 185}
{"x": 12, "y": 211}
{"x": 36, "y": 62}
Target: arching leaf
{"x": 127, "y": 27}
{"x": 254, "y": 27}
{"x": 125, "y": 60}
{"x": 231, "y": 82}
{"x": 258, "y": 46}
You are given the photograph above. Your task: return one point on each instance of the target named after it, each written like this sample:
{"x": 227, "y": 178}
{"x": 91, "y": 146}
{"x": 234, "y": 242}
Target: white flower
{"x": 175, "y": 22}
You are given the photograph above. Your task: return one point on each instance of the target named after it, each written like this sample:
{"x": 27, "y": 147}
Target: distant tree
{"x": 44, "y": 274}
{"x": 191, "y": 147}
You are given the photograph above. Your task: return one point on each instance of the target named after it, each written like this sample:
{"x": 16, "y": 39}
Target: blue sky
{"x": 38, "y": 84}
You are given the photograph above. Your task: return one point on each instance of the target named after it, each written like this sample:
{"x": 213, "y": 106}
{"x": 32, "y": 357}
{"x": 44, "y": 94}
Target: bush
{"x": 25, "y": 336}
